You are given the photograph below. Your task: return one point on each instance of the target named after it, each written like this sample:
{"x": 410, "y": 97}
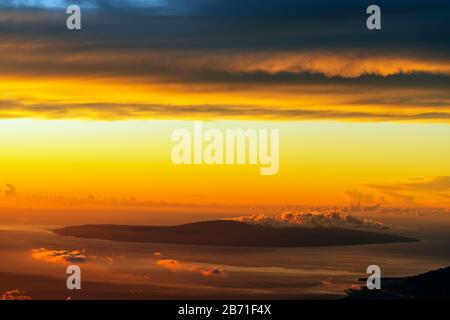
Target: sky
{"x": 363, "y": 115}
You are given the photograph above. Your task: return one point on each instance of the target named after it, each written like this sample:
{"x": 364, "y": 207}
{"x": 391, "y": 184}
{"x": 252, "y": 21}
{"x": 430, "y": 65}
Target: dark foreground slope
{"x": 432, "y": 285}
{"x": 231, "y": 233}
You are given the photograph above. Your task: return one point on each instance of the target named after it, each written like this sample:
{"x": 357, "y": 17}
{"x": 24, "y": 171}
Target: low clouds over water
{"x": 313, "y": 219}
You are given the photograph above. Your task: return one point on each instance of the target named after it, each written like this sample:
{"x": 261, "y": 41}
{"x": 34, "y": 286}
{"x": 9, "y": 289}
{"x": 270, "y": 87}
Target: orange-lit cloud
{"x": 312, "y": 219}
{"x": 59, "y": 256}
{"x": 95, "y": 77}
{"x": 169, "y": 263}
{"x": 175, "y": 265}
{"x": 346, "y": 65}
{"x": 15, "y": 294}
{"x": 207, "y": 271}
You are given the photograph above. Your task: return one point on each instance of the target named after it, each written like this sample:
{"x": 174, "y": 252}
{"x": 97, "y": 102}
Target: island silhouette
{"x": 233, "y": 234}
{"x": 432, "y": 285}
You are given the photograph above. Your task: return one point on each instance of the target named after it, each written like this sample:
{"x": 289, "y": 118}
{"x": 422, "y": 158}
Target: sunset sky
{"x": 363, "y": 115}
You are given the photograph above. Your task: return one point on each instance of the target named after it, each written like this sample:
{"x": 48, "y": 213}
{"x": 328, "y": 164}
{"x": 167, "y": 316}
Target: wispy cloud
{"x": 175, "y": 265}
{"x": 360, "y": 197}
{"x": 119, "y": 111}
{"x": 439, "y": 186}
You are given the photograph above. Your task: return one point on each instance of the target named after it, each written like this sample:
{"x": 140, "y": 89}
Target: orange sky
{"x": 91, "y": 113}
{"x": 321, "y": 163}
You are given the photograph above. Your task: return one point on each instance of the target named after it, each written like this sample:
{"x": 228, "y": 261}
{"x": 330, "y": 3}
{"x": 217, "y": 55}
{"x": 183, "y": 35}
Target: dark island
{"x": 432, "y": 285}
{"x": 233, "y": 234}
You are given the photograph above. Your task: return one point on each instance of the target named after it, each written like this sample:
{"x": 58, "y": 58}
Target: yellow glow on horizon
{"x": 64, "y": 141}
{"x": 319, "y": 161}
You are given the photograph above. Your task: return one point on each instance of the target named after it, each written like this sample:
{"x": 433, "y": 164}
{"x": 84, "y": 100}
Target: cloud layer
{"x": 225, "y": 59}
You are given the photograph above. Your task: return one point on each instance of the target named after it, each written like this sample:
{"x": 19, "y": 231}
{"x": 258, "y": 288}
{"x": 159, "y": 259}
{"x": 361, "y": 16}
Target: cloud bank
{"x": 59, "y": 256}
{"x": 312, "y": 219}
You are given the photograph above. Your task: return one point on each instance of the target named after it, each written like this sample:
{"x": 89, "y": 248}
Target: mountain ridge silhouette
{"x": 232, "y": 233}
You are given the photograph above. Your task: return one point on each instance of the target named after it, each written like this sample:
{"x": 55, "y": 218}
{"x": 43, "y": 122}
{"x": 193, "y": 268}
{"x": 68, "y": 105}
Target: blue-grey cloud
{"x": 209, "y": 42}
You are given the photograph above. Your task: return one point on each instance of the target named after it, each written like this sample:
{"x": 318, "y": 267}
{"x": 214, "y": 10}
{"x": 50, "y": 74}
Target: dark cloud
{"x": 237, "y": 45}
{"x": 409, "y": 26}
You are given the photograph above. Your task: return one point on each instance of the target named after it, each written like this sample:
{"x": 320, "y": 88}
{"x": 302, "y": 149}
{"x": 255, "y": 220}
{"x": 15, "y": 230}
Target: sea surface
{"x": 152, "y": 271}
